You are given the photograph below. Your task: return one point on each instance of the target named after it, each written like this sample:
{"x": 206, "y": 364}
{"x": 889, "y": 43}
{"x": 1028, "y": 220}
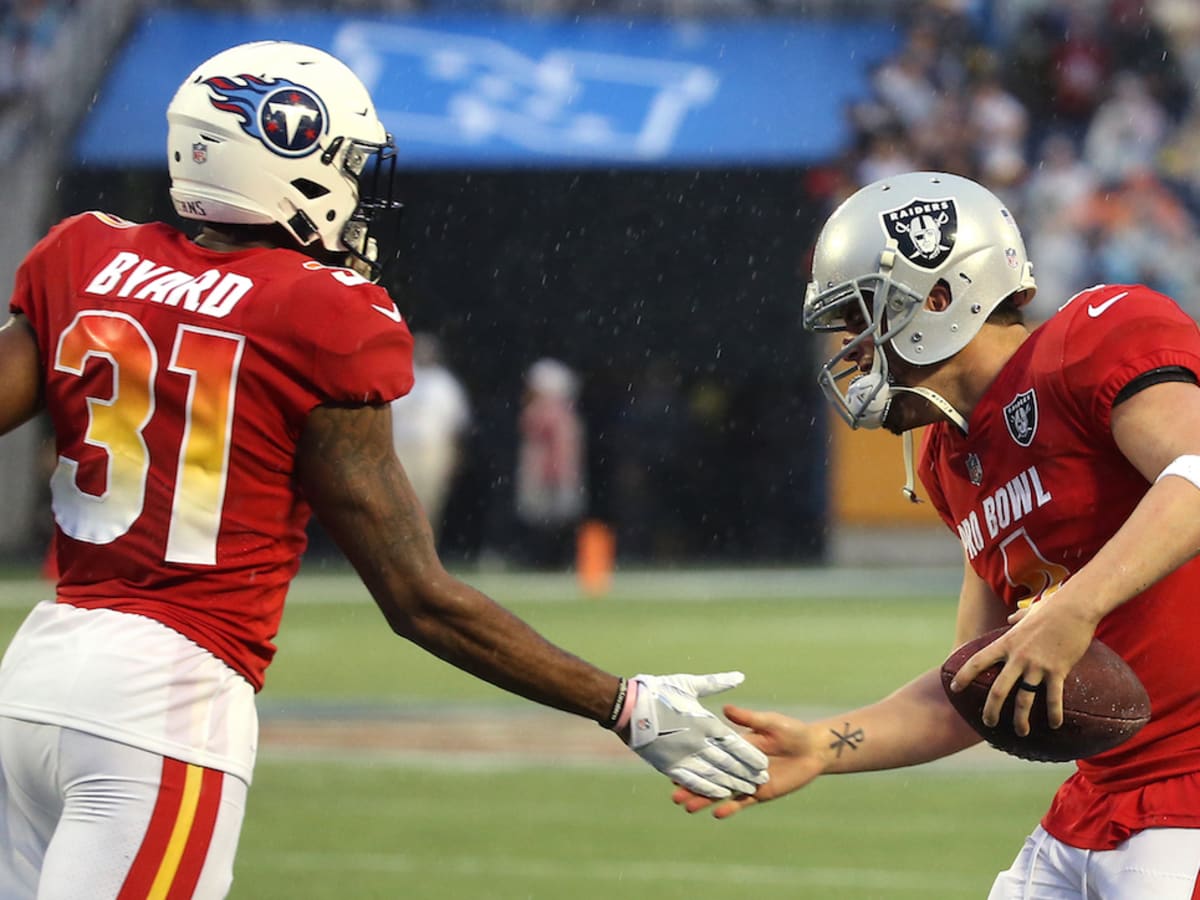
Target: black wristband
{"x": 618, "y": 705}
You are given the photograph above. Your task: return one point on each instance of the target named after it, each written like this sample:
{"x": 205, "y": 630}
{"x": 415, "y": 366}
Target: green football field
{"x": 384, "y": 773}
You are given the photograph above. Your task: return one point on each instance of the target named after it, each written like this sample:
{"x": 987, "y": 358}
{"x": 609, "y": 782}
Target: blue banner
{"x": 487, "y": 91}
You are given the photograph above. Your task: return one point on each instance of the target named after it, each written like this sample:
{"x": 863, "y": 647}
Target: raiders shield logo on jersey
{"x": 924, "y": 230}
{"x": 1021, "y": 417}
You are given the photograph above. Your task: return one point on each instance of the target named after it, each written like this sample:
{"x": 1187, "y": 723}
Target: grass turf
{"x": 391, "y": 826}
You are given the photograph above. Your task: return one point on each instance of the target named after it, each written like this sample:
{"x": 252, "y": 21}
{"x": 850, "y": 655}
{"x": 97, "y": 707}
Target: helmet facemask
{"x": 373, "y": 166}
{"x": 860, "y": 398}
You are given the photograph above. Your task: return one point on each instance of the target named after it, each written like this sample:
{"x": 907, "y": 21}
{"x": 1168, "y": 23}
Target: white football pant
{"x": 1155, "y": 864}
{"x": 85, "y": 818}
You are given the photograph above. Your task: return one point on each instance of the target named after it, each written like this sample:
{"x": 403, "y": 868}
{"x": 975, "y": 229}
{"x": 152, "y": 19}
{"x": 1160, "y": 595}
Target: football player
{"x": 207, "y": 393}
{"x": 1066, "y": 459}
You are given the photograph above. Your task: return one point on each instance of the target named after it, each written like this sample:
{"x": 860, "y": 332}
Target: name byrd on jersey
{"x": 1005, "y": 506}
{"x": 211, "y": 293}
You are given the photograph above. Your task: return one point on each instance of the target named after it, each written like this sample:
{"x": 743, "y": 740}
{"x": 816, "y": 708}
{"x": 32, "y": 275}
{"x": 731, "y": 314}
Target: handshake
{"x": 663, "y": 722}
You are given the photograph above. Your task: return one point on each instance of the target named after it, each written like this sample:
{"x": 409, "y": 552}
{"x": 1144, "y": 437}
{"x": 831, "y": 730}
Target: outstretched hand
{"x": 794, "y": 756}
{"x": 670, "y": 729}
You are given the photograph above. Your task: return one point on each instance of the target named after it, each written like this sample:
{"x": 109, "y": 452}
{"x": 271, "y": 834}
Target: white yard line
{"x": 681, "y": 584}
{"x": 314, "y": 586}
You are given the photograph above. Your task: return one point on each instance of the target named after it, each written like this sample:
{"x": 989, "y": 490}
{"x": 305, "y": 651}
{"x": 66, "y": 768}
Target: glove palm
{"x": 672, "y": 731}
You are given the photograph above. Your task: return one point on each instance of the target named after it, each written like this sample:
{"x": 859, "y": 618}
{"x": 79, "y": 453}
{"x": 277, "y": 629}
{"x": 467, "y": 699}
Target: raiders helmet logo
{"x": 924, "y": 231}
{"x": 1021, "y": 417}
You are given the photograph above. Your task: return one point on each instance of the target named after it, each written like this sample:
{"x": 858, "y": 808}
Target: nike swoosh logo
{"x": 671, "y": 731}
{"x": 392, "y": 313}
{"x": 1096, "y": 311}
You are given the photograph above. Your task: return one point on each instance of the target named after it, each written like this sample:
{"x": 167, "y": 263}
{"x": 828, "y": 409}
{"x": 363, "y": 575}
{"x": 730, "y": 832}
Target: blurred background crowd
{"x": 1083, "y": 114}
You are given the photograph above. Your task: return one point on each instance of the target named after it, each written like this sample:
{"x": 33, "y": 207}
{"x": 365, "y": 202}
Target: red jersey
{"x": 179, "y": 380}
{"x": 1034, "y": 490}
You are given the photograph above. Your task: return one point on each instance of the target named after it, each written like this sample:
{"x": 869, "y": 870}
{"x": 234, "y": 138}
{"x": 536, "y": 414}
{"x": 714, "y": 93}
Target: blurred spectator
{"x": 999, "y": 124}
{"x": 1127, "y": 131}
{"x": 28, "y": 29}
{"x": 946, "y": 143}
{"x": 905, "y": 85}
{"x": 886, "y": 152}
{"x": 1147, "y": 236}
{"x": 1104, "y": 89}
{"x": 428, "y": 426}
{"x": 1060, "y": 185}
{"x": 1179, "y": 21}
{"x": 1055, "y": 204}
{"x": 1179, "y": 160}
{"x": 1079, "y": 70}
{"x": 1029, "y": 50}
{"x": 551, "y": 489}
{"x": 1139, "y": 44}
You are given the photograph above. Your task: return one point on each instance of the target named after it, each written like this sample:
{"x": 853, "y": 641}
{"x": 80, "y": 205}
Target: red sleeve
{"x": 928, "y": 472}
{"x": 33, "y": 279}
{"x": 349, "y": 344}
{"x": 1116, "y": 333}
{"x": 366, "y": 355}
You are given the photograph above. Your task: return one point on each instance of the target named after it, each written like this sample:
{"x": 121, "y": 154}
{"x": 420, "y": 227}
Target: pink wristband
{"x": 627, "y": 707}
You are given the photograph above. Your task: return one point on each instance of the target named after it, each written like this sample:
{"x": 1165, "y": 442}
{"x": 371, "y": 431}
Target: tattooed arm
{"x": 916, "y": 724}
{"x": 913, "y": 725}
{"x": 349, "y": 473}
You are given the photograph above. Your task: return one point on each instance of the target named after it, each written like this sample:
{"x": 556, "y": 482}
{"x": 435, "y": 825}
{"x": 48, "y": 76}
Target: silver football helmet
{"x": 877, "y": 259}
{"x": 276, "y": 132}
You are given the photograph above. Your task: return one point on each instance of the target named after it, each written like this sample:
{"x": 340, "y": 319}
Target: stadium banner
{"x": 463, "y": 91}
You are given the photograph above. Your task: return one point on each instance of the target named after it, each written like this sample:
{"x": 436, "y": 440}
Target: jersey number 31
{"x": 210, "y": 360}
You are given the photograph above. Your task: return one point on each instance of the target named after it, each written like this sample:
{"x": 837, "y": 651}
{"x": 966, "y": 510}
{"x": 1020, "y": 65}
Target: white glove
{"x": 671, "y": 730}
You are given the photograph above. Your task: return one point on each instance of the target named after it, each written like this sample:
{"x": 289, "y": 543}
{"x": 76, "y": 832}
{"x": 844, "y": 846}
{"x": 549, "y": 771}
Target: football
{"x": 1104, "y": 704}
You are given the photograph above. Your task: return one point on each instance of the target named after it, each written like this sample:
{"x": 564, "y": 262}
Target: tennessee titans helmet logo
{"x": 288, "y": 118}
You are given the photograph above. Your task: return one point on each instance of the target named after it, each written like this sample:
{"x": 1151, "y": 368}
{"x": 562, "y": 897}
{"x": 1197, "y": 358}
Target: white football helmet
{"x": 276, "y": 132}
{"x": 877, "y": 259}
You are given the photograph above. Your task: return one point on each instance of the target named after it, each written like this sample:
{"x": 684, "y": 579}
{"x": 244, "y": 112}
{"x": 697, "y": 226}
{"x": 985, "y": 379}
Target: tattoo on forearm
{"x": 846, "y": 738}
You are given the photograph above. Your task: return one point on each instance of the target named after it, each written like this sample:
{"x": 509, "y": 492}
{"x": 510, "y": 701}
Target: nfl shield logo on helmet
{"x": 199, "y": 153}
{"x": 1021, "y": 417}
{"x": 924, "y": 230}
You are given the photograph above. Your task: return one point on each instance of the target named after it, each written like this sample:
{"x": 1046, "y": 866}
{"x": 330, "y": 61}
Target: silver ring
{"x": 1026, "y": 686}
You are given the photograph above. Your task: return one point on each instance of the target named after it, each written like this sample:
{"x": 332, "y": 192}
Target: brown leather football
{"x": 1104, "y": 704}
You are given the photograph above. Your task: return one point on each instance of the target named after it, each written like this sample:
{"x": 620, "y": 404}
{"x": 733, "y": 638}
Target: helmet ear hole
{"x": 309, "y": 188}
